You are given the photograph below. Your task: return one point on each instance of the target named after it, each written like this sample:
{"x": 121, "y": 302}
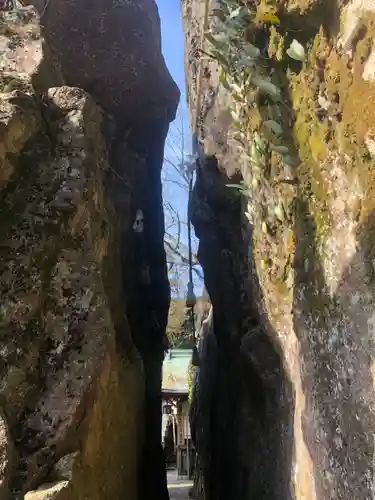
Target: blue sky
{"x": 173, "y": 42}
{"x": 173, "y": 51}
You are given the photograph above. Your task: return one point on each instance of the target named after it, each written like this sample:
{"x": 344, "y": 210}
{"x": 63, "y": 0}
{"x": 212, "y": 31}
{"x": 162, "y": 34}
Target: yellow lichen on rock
{"x": 107, "y": 466}
{"x": 51, "y": 491}
{"x": 18, "y": 124}
{"x": 316, "y": 295}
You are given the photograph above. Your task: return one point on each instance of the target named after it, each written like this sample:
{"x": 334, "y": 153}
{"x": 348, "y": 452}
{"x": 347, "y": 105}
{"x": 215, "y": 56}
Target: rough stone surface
{"x": 6, "y": 456}
{"x": 369, "y": 67}
{"x": 48, "y": 492}
{"x": 294, "y": 304}
{"x": 120, "y": 54}
{"x": 63, "y": 469}
{"x": 353, "y": 19}
{"x": 74, "y": 317}
{"x": 22, "y": 60}
{"x": 56, "y": 225}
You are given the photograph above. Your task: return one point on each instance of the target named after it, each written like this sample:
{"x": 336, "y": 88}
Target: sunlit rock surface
{"x": 294, "y": 304}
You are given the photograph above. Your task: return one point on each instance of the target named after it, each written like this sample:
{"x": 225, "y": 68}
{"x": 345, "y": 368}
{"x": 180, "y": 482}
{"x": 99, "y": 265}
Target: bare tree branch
{"x": 179, "y": 184}
{"x": 175, "y": 173}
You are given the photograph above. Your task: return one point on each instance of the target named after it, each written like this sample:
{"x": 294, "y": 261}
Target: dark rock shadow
{"x": 248, "y": 449}
{"x": 136, "y": 160}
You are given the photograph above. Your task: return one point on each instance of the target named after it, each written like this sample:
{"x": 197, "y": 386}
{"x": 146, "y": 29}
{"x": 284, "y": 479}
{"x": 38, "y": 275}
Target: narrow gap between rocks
{"x": 226, "y": 399}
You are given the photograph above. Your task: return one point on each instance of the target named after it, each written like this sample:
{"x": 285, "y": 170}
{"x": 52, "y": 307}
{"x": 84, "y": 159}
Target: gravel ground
{"x": 178, "y": 488}
{"x": 177, "y": 492}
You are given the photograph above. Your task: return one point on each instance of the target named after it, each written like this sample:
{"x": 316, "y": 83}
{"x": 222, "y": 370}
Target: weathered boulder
{"x": 77, "y": 403}
{"x": 112, "y": 49}
{"x": 294, "y": 304}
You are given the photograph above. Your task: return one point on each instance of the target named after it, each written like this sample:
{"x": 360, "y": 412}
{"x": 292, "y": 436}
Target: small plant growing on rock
{"x": 245, "y": 76}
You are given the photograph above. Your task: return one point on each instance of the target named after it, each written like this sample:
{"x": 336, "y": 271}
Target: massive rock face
{"x": 112, "y": 49}
{"x": 81, "y": 258}
{"x": 293, "y": 292}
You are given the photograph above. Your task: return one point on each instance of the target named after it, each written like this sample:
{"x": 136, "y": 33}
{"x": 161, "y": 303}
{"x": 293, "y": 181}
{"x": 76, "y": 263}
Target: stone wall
{"x": 297, "y": 318}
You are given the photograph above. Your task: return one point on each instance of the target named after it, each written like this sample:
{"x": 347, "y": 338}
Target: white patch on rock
{"x": 369, "y": 68}
{"x": 371, "y": 328}
{"x": 353, "y": 16}
{"x": 47, "y": 491}
{"x": 355, "y": 298}
{"x": 5, "y": 447}
{"x": 341, "y": 245}
{"x": 369, "y": 140}
{"x": 332, "y": 340}
{"x": 323, "y": 102}
{"x": 64, "y": 467}
{"x": 138, "y": 224}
